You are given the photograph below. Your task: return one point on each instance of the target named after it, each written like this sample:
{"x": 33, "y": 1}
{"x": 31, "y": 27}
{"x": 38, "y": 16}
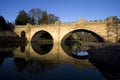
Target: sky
{"x": 66, "y": 10}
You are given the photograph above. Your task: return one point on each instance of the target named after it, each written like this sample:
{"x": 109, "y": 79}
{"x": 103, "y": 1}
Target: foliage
{"x": 83, "y": 37}
{"x": 31, "y": 20}
{"x": 22, "y": 18}
{"x": 44, "y": 18}
{"x": 5, "y": 26}
{"x": 35, "y": 16}
{"x": 2, "y": 23}
{"x": 48, "y": 18}
{"x": 52, "y": 18}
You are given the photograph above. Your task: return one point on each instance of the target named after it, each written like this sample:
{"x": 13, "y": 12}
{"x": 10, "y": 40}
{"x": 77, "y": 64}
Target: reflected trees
{"x": 72, "y": 42}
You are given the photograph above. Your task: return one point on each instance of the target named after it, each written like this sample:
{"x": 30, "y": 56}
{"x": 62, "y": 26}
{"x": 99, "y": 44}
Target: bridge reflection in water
{"x": 58, "y": 63}
{"x": 56, "y": 55}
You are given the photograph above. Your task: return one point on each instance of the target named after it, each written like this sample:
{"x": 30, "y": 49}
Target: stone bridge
{"x": 106, "y": 30}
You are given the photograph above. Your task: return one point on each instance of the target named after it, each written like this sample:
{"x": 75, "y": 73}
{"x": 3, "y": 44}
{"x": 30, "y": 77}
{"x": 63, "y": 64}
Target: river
{"x": 58, "y": 62}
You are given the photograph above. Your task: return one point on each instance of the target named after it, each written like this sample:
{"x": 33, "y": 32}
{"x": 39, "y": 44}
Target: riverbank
{"x": 106, "y": 58}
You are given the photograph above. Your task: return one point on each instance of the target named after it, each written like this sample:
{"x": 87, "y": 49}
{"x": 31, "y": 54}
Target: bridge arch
{"x": 72, "y": 43}
{"x": 98, "y": 37}
{"x": 42, "y": 42}
{"x": 100, "y": 33}
{"x": 41, "y": 34}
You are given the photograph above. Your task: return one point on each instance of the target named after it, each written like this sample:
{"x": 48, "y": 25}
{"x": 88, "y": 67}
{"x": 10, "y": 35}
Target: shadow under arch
{"x": 71, "y": 42}
{"x": 42, "y": 42}
{"x": 99, "y": 38}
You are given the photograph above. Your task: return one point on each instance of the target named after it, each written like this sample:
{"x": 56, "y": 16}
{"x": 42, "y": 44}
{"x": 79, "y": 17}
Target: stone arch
{"x": 42, "y": 42}
{"x": 42, "y": 34}
{"x": 72, "y": 46}
{"x": 100, "y": 39}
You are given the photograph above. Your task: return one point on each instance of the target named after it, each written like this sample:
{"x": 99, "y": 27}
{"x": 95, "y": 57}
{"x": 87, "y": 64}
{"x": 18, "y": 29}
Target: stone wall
{"x": 59, "y": 30}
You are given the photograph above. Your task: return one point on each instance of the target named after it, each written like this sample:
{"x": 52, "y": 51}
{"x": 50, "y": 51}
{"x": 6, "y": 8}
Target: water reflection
{"x": 20, "y": 64}
{"x": 80, "y": 54}
{"x": 22, "y": 47}
{"x": 73, "y": 48}
{"x": 41, "y": 48}
{"x": 58, "y": 63}
{"x": 4, "y": 55}
{"x": 33, "y": 66}
{"x": 6, "y": 51}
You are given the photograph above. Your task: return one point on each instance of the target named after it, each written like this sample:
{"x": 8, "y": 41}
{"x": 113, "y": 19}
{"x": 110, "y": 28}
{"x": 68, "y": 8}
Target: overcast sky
{"x": 66, "y": 10}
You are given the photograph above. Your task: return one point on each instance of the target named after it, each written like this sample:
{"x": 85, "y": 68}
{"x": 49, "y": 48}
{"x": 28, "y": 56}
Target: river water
{"x": 57, "y": 62}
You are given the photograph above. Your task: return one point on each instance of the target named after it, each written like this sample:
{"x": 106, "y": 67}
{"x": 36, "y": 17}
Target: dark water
{"x": 23, "y": 62}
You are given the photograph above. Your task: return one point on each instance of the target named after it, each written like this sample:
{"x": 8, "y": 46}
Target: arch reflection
{"x": 42, "y": 42}
{"x": 74, "y": 50}
{"x": 71, "y": 43}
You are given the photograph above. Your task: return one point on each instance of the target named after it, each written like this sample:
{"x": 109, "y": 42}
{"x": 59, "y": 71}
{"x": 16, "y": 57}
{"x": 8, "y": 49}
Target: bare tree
{"x": 52, "y": 18}
{"x": 35, "y": 13}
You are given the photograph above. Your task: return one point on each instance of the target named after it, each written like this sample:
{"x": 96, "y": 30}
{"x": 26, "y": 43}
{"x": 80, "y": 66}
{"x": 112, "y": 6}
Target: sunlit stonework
{"x": 108, "y": 30}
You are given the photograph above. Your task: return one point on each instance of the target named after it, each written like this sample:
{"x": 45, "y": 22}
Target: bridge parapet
{"x": 83, "y": 23}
